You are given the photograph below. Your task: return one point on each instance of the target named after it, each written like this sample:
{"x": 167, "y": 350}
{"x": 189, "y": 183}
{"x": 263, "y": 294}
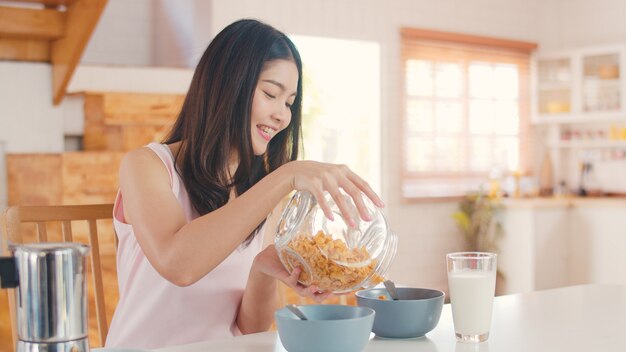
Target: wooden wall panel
{"x": 98, "y": 137}
{"x": 34, "y": 179}
{"x": 138, "y": 136}
{"x": 90, "y": 177}
{"x": 120, "y": 108}
{"x": 5, "y": 324}
{"x": 126, "y": 121}
{"x": 93, "y": 108}
{"x": 68, "y": 178}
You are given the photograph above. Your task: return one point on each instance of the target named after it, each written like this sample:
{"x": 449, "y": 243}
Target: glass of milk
{"x": 472, "y": 285}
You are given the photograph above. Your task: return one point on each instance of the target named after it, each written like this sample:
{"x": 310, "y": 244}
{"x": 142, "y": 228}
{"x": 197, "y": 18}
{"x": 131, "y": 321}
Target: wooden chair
{"x": 12, "y": 233}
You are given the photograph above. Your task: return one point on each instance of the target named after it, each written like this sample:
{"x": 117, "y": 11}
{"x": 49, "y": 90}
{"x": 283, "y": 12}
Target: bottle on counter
{"x": 561, "y": 189}
{"x": 584, "y": 171}
{"x": 592, "y": 186}
{"x": 546, "y": 178}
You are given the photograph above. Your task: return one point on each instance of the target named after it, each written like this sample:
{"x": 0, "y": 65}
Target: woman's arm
{"x": 185, "y": 252}
{"x": 260, "y": 299}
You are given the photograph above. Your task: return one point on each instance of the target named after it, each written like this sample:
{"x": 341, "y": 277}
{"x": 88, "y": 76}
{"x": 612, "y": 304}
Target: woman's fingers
{"x": 366, "y": 189}
{"x": 357, "y": 199}
{"x": 321, "y": 200}
{"x": 305, "y": 291}
{"x": 340, "y": 200}
{"x": 356, "y": 187}
{"x": 321, "y": 296}
{"x": 312, "y": 292}
{"x": 318, "y": 178}
{"x": 292, "y": 280}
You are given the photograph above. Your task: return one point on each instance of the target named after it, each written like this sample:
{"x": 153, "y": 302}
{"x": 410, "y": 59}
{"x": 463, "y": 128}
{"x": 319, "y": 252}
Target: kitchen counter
{"x": 554, "y": 242}
{"x": 570, "y": 319}
{"x": 563, "y": 202}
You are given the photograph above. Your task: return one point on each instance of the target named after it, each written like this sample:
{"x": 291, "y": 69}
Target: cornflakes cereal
{"x": 382, "y": 297}
{"x": 322, "y": 254}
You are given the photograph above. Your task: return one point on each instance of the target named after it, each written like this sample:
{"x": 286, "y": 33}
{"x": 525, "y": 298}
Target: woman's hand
{"x": 317, "y": 178}
{"x": 268, "y": 263}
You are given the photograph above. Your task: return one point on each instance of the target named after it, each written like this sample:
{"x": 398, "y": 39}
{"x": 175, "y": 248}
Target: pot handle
{"x": 8, "y": 273}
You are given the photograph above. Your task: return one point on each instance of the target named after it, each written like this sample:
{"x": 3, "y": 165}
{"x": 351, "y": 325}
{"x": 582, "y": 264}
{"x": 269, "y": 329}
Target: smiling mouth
{"x": 266, "y": 132}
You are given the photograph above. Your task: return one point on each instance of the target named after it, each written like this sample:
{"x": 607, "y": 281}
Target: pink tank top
{"x": 152, "y": 312}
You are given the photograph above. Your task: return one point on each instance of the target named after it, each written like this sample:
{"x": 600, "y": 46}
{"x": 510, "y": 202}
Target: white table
{"x": 578, "y": 318}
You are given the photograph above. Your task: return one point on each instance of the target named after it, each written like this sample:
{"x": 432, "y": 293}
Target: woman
{"x": 189, "y": 214}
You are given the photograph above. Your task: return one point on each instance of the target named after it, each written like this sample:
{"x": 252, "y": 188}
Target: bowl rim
{"x": 440, "y": 294}
{"x": 370, "y": 312}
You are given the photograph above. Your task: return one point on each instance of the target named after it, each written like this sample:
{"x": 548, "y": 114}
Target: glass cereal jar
{"x": 333, "y": 256}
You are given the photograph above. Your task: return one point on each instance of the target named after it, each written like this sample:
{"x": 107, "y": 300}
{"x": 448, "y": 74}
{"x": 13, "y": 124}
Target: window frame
{"x": 467, "y": 48}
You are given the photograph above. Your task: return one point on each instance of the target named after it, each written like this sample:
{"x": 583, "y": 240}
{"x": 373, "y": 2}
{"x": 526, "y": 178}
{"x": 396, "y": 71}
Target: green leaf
{"x": 462, "y": 221}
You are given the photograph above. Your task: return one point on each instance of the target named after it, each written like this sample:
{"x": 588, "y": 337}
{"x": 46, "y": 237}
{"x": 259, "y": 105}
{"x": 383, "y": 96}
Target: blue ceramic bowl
{"x": 415, "y": 313}
{"x": 330, "y": 328}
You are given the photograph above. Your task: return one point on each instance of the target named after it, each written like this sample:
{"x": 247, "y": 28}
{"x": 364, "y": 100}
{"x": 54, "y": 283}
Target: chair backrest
{"x": 14, "y": 217}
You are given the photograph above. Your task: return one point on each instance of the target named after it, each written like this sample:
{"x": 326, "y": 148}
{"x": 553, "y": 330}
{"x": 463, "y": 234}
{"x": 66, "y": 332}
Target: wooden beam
{"x": 24, "y": 50}
{"x": 31, "y": 23}
{"x": 82, "y": 17}
{"x": 427, "y": 34}
{"x": 48, "y": 2}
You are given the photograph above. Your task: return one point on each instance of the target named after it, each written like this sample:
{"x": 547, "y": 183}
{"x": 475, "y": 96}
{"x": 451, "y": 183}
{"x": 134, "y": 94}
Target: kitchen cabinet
{"x": 579, "y": 109}
{"x": 534, "y": 254}
{"x": 597, "y": 244}
{"x": 580, "y": 86}
{"x": 555, "y": 242}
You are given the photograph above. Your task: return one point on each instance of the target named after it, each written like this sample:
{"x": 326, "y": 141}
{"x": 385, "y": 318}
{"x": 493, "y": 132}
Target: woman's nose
{"x": 281, "y": 113}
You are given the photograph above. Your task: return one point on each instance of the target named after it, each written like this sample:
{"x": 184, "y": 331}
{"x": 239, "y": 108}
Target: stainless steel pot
{"x": 51, "y": 295}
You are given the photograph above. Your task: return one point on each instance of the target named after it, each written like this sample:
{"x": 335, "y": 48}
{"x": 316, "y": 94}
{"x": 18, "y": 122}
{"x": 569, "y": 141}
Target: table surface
{"x": 569, "y": 319}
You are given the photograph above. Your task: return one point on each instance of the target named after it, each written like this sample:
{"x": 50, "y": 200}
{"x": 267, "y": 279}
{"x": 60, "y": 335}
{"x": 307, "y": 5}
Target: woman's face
{"x": 271, "y": 106}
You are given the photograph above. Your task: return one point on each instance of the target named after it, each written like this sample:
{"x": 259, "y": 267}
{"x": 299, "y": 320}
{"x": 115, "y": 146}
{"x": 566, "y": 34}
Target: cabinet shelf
{"x": 599, "y": 82}
{"x": 548, "y": 86}
{"x": 568, "y": 118}
{"x": 590, "y": 144}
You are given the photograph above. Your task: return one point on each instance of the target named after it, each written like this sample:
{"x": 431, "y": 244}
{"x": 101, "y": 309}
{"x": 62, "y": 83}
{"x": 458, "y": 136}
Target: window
{"x": 466, "y": 111}
{"x": 341, "y": 104}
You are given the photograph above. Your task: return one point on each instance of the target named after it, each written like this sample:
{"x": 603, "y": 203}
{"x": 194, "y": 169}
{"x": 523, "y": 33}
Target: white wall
{"x": 124, "y": 35}
{"x": 166, "y": 33}
{"x": 28, "y": 122}
{"x": 3, "y": 179}
{"x": 579, "y": 23}
{"x": 184, "y": 26}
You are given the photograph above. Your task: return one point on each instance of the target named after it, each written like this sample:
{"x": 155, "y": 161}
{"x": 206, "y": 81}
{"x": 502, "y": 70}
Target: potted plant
{"x": 479, "y": 221}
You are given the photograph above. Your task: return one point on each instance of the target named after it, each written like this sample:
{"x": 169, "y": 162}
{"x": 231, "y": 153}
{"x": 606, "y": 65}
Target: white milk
{"x": 471, "y": 295}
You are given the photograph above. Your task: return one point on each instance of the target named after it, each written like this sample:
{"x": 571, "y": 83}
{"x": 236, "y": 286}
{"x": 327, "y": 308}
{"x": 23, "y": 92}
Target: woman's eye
{"x": 288, "y": 105}
{"x": 269, "y": 95}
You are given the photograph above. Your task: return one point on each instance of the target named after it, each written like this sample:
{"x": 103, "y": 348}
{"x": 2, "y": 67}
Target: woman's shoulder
{"x": 142, "y": 160}
{"x": 141, "y": 155}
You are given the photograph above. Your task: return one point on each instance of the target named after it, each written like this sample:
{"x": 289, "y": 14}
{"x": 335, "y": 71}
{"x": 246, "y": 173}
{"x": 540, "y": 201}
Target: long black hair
{"x": 215, "y": 116}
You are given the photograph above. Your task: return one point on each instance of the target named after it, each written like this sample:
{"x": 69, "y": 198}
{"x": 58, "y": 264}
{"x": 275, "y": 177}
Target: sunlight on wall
{"x": 341, "y": 106}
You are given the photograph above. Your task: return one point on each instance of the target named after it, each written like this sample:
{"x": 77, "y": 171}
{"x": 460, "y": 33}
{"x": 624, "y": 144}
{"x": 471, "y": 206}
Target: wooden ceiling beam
{"x": 24, "y": 50}
{"x": 31, "y": 23}
{"x": 81, "y": 20}
{"x": 48, "y": 2}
